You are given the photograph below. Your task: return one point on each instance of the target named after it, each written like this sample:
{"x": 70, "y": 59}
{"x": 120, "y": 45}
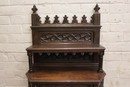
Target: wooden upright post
{"x": 35, "y": 17}
{"x": 96, "y": 16}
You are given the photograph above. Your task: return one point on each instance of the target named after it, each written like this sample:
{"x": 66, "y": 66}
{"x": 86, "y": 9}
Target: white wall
{"x": 15, "y": 36}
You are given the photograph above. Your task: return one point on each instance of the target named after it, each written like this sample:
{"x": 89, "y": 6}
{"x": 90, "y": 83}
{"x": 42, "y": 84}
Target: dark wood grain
{"x": 84, "y": 21}
{"x": 65, "y": 75}
{"x": 65, "y": 54}
{"x": 65, "y": 48}
{"x": 65, "y": 21}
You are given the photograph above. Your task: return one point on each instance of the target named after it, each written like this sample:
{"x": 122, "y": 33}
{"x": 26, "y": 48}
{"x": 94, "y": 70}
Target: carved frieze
{"x": 63, "y": 37}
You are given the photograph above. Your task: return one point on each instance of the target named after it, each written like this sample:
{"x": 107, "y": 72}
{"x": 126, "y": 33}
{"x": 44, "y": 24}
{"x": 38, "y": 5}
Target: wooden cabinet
{"x": 65, "y": 54}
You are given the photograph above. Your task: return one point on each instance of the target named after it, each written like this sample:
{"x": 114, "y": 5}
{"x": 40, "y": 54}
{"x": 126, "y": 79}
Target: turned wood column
{"x": 101, "y": 53}
{"x": 30, "y": 61}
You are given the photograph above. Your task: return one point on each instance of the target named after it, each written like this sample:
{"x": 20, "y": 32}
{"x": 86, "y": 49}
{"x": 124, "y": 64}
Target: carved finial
{"x": 90, "y": 53}
{"x": 74, "y": 19}
{"x": 96, "y": 8}
{"x": 92, "y": 19}
{"x": 34, "y": 9}
{"x": 47, "y": 21}
{"x": 48, "y": 54}
{"x": 84, "y": 21}
{"x": 65, "y": 21}
{"x": 56, "y": 21}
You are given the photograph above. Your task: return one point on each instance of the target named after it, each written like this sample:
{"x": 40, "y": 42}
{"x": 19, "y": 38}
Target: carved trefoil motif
{"x": 63, "y": 37}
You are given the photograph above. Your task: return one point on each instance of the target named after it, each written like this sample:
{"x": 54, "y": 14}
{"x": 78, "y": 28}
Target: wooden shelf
{"x": 65, "y": 25}
{"x": 66, "y": 75}
{"x": 65, "y": 48}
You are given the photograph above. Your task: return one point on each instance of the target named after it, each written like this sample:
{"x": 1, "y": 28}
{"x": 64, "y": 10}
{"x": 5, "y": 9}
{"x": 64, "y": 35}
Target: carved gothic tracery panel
{"x": 63, "y": 37}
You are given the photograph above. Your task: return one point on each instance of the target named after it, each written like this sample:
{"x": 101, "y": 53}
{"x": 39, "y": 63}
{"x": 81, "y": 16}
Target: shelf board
{"x": 65, "y": 48}
{"x": 66, "y": 75}
{"x": 66, "y": 26}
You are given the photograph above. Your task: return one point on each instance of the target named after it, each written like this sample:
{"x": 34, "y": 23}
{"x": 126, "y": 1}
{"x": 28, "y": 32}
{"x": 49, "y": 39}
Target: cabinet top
{"x": 65, "y": 35}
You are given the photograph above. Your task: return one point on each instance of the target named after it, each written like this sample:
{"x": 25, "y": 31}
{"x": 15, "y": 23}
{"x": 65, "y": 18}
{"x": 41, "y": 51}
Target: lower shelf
{"x": 65, "y": 85}
{"x": 66, "y": 76}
